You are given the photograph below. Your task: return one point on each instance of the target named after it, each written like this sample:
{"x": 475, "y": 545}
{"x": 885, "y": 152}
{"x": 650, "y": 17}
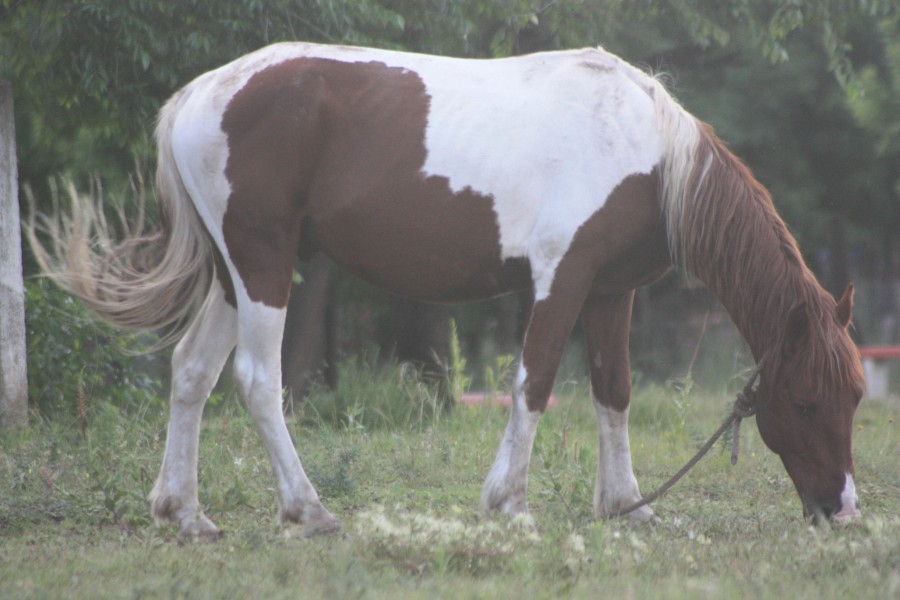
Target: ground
{"x": 74, "y": 523}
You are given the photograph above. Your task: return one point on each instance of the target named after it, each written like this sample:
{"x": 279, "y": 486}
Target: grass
{"x": 74, "y": 524}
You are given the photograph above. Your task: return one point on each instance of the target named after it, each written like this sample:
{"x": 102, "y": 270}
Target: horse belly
{"x": 424, "y": 243}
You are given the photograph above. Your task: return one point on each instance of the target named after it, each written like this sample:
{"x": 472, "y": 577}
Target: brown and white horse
{"x": 571, "y": 174}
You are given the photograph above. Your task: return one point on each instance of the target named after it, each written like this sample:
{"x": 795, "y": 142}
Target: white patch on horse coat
{"x": 547, "y": 136}
{"x": 849, "y": 501}
{"x": 616, "y": 485}
{"x": 506, "y": 484}
{"x": 548, "y": 144}
{"x": 257, "y": 369}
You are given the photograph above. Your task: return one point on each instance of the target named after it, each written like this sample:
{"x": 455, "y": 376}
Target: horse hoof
{"x": 643, "y": 515}
{"x": 324, "y": 527}
{"x": 200, "y": 530}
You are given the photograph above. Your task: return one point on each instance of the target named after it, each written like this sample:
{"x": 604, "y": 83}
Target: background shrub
{"x": 70, "y": 353}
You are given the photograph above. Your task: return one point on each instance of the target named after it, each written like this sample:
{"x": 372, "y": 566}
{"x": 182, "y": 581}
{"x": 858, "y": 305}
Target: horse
{"x": 571, "y": 174}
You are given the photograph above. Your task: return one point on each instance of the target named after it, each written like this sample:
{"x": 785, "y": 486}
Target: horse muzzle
{"x": 846, "y": 509}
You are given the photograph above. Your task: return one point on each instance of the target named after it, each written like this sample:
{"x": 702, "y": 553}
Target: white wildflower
{"x": 425, "y": 538}
{"x": 576, "y": 556}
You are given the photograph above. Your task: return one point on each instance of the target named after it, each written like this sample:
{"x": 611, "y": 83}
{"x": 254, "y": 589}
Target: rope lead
{"x": 745, "y": 405}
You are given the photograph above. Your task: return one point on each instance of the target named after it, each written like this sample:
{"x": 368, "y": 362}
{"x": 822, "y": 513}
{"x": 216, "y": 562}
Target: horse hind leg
{"x": 607, "y": 321}
{"x": 197, "y": 361}
{"x": 257, "y": 370}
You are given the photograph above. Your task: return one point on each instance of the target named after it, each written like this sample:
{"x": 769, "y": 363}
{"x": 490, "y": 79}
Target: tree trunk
{"x": 13, "y": 369}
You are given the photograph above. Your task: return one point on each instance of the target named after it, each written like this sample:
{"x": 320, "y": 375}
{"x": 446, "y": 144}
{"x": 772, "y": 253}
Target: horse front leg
{"x": 551, "y": 322}
{"x": 607, "y": 322}
{"x": 506, "y": 484}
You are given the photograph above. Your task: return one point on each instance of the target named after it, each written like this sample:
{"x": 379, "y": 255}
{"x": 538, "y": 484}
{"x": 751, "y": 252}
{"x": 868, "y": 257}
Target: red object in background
{"x": 504, "y": 400}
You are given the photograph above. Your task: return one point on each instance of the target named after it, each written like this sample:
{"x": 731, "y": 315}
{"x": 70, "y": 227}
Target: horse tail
{"x": 139, "y": 278}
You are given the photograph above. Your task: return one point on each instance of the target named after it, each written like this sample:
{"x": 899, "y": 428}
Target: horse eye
{"x": 805, "y": 410}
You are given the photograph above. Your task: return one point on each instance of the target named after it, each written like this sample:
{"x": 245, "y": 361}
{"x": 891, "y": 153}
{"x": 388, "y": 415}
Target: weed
{"x": 498, "y": 377}
{"x": 679, "y": 392}
{"x": 566, "y": 474}
{"x": 69, "y": 353}
{"x": 421, "y": 543}
{"x": 334, "y": 480}
{"x": 457, "y": 380}
{"x": 376, "y": 397}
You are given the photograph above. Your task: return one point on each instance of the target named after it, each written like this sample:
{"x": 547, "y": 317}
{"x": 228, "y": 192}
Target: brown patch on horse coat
{"x": 328, "y": 155}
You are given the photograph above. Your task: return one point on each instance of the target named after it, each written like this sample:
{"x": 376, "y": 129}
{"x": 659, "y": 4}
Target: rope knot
{"x": 745, "y": 404}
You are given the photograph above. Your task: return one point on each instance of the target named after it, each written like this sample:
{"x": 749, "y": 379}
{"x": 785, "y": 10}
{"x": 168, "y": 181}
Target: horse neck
{"x": 735, "y": 242}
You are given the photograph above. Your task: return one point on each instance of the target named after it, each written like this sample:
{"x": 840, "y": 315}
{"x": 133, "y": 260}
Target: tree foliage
{"x": 90, "y": 74}
{"x": 875, "y": 98}
{"x": 792, "y": 125}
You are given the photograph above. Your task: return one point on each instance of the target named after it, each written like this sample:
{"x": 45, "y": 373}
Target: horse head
{"x": 812, "y": 382}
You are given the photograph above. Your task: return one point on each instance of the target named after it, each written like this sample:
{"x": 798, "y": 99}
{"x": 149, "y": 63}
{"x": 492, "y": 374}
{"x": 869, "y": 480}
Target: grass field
{"x": 406, "y": 482}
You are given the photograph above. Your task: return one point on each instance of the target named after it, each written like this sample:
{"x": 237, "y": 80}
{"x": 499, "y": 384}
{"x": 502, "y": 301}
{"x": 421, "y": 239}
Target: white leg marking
{"x": 616, "y": 485}
{"x": 506, "y": 486}
{"x": 196, "y": 364}
{"x": 257, "y": 368}
{"x": 849, "y": 501}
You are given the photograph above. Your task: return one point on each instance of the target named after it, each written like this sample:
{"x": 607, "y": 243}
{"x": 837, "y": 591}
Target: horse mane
{"x": 723, "y": 228}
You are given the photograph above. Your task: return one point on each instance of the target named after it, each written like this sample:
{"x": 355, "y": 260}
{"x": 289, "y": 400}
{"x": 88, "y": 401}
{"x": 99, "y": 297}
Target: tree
{"x": 875, "y": 103}
{"x": 13, "y": 369}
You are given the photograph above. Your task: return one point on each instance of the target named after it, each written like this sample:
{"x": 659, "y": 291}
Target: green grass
{"x": 74, "y": 523}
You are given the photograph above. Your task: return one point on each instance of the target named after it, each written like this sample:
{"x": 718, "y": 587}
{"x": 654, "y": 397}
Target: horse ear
{"x": 797, "y": 329}
{"x": 844, "y": 309}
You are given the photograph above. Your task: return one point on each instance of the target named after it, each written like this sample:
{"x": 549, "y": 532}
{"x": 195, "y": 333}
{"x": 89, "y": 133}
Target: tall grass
{"x": 375, "y": 396}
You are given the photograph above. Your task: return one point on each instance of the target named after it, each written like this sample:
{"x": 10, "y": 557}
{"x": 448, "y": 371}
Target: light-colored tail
{"x": 144, "y": 279}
